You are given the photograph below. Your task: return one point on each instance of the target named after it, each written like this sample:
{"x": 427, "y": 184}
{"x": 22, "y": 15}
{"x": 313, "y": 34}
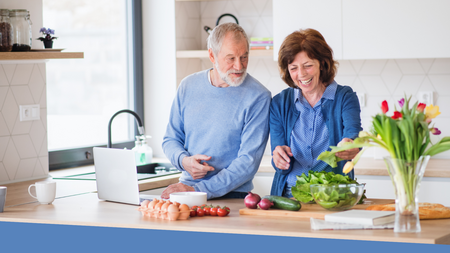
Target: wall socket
{"x": 30, "y": 112}
{"x": 425, "y": 97}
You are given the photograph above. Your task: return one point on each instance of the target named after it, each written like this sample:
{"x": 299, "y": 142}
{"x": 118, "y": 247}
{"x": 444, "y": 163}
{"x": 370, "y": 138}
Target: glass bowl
{"x": 337, "y": 197}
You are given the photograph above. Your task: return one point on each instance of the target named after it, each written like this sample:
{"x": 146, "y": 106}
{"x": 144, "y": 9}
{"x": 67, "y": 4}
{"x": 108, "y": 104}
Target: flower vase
{"x": 48, "y": 43}
{"x": 406, "y": 177}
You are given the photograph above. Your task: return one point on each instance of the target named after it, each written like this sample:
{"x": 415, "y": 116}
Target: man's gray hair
{"x": 215, "y": 39}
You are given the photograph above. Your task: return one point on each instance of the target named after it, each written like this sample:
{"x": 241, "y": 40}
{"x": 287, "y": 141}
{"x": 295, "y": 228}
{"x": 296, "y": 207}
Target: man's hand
{"x": 193, "y": 165}
{"x": 348, "y": 154}
{"x": 281, "y": 156}
{"x": 179, "y": 187}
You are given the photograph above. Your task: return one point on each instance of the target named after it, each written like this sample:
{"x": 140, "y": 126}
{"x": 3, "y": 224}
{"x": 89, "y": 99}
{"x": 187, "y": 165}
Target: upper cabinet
{"x": 381, "y": 29}
{"x": 292, "y": 15}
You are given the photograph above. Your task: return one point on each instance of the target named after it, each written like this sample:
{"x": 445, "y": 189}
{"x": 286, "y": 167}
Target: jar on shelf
{"x": 5, "y": 31}
{"x": 21, "y": 40}
{"x": 29, "y": 28}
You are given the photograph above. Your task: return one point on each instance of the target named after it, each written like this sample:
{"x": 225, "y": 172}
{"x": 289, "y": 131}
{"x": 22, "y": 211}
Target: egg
{"x": 176, "y": 203}
{"x": 163, "y": 212}
{"x": 173, "y": 208}
{"x": 184, "y": 212}
{"x": 173, "y": 212}
{"x": 184, "y": 207}
{"x": 145, "y": 203}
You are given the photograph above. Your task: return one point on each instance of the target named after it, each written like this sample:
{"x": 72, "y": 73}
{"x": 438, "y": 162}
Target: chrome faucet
{"x": 138, "y": 119}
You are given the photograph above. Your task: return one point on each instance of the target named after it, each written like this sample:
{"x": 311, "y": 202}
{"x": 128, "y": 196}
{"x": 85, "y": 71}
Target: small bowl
{"x": 189, "y": 198}
{"x": 337, "y": 197}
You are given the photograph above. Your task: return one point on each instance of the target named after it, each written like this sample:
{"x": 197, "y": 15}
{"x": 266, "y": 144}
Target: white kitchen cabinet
{"x": 382, "y": 29}
{"x": 370, "y": 29}
{"x": 322, "y": 15}
{"x": 262, "y": 183}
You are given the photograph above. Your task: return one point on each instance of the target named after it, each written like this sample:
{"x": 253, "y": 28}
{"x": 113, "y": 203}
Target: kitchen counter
{"x": 85, "y": 209}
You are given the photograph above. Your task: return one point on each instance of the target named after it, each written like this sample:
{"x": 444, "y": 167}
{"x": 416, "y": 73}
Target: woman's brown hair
{"x": 315, "y": 46}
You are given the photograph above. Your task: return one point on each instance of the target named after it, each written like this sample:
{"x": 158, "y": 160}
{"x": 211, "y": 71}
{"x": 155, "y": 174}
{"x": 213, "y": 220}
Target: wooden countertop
{"x": 87, "y": 210}
{"x": 77, "y": 204}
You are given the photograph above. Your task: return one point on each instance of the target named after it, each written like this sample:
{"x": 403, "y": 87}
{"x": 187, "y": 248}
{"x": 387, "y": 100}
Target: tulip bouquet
{"x": 406, "y": 136}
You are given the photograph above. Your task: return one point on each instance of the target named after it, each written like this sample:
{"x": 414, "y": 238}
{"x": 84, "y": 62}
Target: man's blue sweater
{"x": 229, "y": 124}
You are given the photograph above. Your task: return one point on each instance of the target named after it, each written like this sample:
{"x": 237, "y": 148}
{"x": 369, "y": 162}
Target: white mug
{"x": 45, "y": 191}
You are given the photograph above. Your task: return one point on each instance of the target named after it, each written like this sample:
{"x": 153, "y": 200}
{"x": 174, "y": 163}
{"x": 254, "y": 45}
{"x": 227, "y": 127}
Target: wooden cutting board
{"x": 308, "y": 210}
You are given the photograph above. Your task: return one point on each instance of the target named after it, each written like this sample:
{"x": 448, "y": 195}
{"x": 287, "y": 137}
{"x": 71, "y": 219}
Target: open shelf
{"x": 40, "y": 55}
{"x": 204, "y": 53}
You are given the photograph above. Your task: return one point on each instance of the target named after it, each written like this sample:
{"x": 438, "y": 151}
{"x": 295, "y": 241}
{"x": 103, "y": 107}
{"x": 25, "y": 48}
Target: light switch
{"x": 30, "y": 112}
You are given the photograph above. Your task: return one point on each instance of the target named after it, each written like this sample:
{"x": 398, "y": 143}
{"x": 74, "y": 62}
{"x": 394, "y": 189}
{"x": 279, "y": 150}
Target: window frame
{"x": 82, "y": 156}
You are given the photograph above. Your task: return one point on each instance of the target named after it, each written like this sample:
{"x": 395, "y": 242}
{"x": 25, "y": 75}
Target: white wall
{"x": 158, "y": 27}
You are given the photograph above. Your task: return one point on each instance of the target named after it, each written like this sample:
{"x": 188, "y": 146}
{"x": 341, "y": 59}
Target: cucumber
{"x": 284, "y": 203}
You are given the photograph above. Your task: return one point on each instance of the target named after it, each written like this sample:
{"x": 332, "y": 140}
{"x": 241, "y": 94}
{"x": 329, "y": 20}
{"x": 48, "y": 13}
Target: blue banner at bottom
{"x": 29, "y": 237}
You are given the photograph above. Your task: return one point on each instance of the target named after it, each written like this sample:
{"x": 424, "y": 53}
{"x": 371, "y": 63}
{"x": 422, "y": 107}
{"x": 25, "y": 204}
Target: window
{"x": 82, "y": 95}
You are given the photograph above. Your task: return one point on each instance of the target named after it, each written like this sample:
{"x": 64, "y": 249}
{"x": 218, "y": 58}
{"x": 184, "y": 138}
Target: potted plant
{"x": 47, "y": 37}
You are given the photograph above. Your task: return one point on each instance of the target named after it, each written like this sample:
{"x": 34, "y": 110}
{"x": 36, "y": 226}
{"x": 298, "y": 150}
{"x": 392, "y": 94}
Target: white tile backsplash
{"x": 4, "y": 131}
{"x": 9, "y": 71}
{"x": 440, "y": 66}
{"x": 22, "y": 74}
{"x": 23, "y": 144}
{"x": 25, "y": 169}
{"x": 22, "y": 95}
{"x": 11, "y": 160}
{"x": 410, "y": 66}
{"x": 3, "y": 79}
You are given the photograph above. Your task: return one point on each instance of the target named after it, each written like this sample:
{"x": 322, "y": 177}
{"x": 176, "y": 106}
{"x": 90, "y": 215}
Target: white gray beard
{"x": 225, "y": 76}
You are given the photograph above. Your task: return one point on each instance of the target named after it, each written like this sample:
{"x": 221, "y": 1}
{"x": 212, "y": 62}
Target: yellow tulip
{"x": 348, "y": 167}
{"x": 431, "y": 112}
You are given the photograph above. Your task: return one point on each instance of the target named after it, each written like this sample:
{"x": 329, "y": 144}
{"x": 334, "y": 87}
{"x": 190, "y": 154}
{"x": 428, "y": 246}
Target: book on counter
{"x": 362, "y": 217}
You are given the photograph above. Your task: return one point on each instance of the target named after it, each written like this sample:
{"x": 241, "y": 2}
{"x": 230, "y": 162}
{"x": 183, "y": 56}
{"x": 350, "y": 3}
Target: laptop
{"x": 117, "y": 177}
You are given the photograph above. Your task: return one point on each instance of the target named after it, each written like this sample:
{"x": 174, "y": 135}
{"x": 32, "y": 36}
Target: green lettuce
{"x": 301, "y": 191}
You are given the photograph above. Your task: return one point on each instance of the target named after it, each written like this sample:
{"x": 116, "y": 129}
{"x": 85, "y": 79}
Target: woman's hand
{"x": 281, "y": 156}
{"x": 348, "y": 154}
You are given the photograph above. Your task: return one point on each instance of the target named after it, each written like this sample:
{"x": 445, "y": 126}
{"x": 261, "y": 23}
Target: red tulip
{"x": 421, "y": 107}
{"x": 397, "y": 115}
{"x": 384, "y": 107}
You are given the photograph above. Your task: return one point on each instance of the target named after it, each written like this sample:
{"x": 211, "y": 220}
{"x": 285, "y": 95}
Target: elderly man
{"x": 218, "y": 127}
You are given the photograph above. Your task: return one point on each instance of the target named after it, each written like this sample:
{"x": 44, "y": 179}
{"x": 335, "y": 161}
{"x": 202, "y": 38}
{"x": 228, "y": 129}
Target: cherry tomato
{"x": 222, "y": 212}
{"x": 200, "y": 212}
{"x": 193, "y": 207}
{"x": 213, "y": 211}
{"x": 193, "y": 212}
{"x": 227, "y": 208}
{"x": 207, "y": 210}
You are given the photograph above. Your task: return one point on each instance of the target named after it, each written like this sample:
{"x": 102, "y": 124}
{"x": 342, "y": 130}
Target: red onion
{"x": 265, "y": 204}
{"x": 251, "y": 200}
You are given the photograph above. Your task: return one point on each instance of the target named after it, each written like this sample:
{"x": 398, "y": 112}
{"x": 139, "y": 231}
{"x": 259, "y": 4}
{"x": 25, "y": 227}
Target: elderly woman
{"x": 312, "y": 114}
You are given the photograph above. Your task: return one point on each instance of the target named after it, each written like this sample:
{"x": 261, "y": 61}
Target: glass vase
{"x": 406, "y": 177}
